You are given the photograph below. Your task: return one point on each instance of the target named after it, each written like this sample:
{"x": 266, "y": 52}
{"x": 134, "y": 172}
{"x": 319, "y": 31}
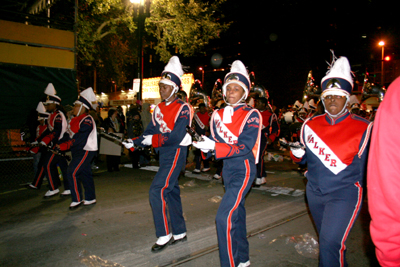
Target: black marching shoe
{"x": 157, "y": 248}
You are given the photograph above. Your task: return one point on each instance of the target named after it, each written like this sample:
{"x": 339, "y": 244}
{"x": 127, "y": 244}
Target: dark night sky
{"x": 282, "y": 40}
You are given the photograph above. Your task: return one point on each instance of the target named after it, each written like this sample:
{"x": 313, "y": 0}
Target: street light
{"x": 202, "y": 75}
{"x": 382, "y": 44}
{"x": 141, "y": 17}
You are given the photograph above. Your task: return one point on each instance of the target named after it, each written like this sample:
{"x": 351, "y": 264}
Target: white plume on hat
{"x": 339, "y": 69}
{"x": 238, "y": 66}
{"x": 50, "y": 90}
{"x": 174, "y": 66}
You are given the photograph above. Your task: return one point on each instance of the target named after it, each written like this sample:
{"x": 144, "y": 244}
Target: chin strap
{"x": 344, "y": 109}
{"x": 172, "y": 93}
{"x": 79, "y": 110}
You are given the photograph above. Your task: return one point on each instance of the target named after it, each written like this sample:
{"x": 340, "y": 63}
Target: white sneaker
{"x": 162, "y": 240}
{"x": 31, "y": 186}
{"x": 51, "y": 193}
{"x": 89, "y": 202}
{"x": 180, "y": 236}
{"x": 244, "y": 264}
{"x": 205, "y": 169}
{"x": 217, "y": 176}
{"x": 66, "y": 193}
{"x": 74, "y": 204}
{"x": 196, "y": 171}
{"x": 260, "y": 181}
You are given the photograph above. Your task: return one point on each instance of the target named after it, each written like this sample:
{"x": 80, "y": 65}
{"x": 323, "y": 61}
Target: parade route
{"x": 119, "y": 230}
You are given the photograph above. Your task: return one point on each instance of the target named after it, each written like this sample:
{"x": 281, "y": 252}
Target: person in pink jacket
{"x": 383, "y": 179}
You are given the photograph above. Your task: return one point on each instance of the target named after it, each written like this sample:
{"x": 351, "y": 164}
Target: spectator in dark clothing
{"x": 135, "y": 129}
{"x": 111, "y": 125}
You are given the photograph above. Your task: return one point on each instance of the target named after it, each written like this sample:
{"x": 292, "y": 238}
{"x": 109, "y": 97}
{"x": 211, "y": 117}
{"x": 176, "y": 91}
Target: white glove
{"x": 297, "y": 152}
{"x": 34, "y": 143}
{"x": 128, "y": 143}
{"x": 205, "y": 145}
{"x": 43, "y": 143}
{"x": 147, "y": 141}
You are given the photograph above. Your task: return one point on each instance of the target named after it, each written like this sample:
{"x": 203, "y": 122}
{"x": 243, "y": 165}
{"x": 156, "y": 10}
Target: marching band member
{"x": 202, "y": 124}
{"x": 167, "y": 134}
{"x": 269, "y": 131}
{"x": 235, "y": 138}
{"x": 57, "y": 125}
{"x": 336, "y": 148}
{"x": 83, "y": 146}
{"x": 39, "y": 153}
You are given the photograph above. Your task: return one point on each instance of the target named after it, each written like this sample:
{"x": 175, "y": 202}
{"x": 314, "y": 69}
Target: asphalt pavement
{"x": 119, "y": 230}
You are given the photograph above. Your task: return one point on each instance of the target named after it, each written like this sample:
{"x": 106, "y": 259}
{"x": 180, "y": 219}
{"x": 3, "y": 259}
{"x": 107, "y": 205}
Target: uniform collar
{"x": 334, "y": 121}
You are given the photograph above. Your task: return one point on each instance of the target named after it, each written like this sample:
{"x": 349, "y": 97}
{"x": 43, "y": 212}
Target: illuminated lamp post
{"x": 141, "y": 17}
{"x": 382, "y": 44}
{"x": 202, "y": 75}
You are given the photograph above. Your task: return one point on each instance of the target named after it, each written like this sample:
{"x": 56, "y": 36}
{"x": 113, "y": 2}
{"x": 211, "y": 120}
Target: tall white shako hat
{"x": 51, "y": 95}
{"x": 239, "y": 75}
{"x": 87, "y": 98}
{"x": 312, "y": 104}
{"x": 338, "y": 81}
{"x": 297, "y": 105}
{"x": 172, "y": 74}
{"x": 42, "y": 113}
{"x": 306, "y": 106}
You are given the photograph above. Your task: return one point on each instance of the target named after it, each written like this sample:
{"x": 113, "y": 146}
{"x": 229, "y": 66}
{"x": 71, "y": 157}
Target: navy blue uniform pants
{"x": 165, "y": 195}
{"x": 51, "y": 161}
{"x": 80, "y": 173}
{"x": 231, "y": 215}
{"x": 334, "y": 215}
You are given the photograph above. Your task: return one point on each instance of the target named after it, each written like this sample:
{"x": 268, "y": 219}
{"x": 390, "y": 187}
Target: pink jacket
{"x": 383, "y": 178}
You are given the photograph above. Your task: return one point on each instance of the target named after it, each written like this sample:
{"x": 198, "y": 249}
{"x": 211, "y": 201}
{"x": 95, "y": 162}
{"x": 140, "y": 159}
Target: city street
{"x": 119, "y": 230}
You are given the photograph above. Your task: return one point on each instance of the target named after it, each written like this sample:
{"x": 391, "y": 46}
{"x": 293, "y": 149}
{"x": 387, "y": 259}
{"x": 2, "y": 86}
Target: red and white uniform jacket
{"x": 83, "y": 135}
{"x": 40, "y": 130}
{"x": 336, "y": 151}
{"x": 168, "y": 126}
{"x": 57, "y": 125}
{"x": 238, "y": 140}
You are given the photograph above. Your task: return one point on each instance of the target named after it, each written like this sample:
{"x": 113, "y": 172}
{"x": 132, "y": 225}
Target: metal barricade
{"x": 16, "y": 164}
